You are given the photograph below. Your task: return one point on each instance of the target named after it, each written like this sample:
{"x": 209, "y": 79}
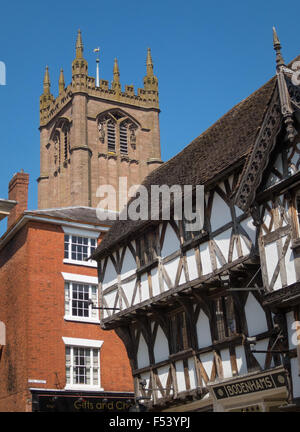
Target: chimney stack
{"x": 18, "y": 191}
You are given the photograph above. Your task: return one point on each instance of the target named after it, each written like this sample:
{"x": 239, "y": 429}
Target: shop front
{"x": 69, "y": 401}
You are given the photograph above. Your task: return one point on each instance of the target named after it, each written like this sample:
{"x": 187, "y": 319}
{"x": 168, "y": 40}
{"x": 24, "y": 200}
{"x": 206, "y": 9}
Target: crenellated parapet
{"x": 146, "y": 97}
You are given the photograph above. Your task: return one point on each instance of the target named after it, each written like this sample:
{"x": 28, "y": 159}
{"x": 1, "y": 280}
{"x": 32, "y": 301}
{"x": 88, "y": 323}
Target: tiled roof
{"x": 82, "y": 214}
{"x": 224, "y": 144}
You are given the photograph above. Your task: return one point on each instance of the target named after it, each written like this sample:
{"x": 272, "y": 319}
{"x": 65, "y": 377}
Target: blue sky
{"x": 207, "y": 56}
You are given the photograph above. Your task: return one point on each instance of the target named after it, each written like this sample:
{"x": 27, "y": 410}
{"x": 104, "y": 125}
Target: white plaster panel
{"x": 192, "y": 373}
{"x": 272, "y": 260}
{"x": 144, "y": 287}
{"x": 220, "y": 214}
{"x": 223, "y": 242}
{"x": 291, "y": 329}
{"x": 238, "y": 211}
{"x": 245, "y": 248}
{"x": 110, "y": 277}
{"x": 295, "y": 377}
{"x": 155, "y": 282}
{"x": 171, "y": 242}
{"x": 290, "y": 266}
{"x": 241, "y": 360}
{"x": 250, "y": 229}
{"x": 142, "y": 354}
{"x": 161, "y": 347}
{"x": 146, "y": 376}
{"x": 261, "y": 345}
{"x": 203, "y": 330}
{"x": 128, "y": 289}
{"x": 171, "y": 268}
{"x": 110, "y": 298}
{"x": 226, "y": 364}
{"x": 192, "y": 265}
{"x": 129, "y": 264}
{"x": 255, "y": 315}
{"x": 207, "y": 362}
{"x": 180, "y": 376}
{"x": 205, "y": 258}
{"x": 163, "y": 373}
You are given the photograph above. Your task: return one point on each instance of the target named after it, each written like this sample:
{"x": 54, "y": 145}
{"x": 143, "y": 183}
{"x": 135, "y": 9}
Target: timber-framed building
{"x": 210, "y": 319}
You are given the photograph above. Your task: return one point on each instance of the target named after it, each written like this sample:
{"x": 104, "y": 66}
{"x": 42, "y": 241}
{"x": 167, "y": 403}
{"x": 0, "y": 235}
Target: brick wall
{"x": 32, "y": 290}
{"x": 18, "y": 191}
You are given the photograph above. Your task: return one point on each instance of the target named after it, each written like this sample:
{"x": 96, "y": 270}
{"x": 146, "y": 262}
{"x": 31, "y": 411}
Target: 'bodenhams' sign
{"x": 250, "y": 385}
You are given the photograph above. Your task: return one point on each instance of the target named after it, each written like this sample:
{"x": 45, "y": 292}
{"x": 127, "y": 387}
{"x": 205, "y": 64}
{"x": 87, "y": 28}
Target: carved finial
{"x": 149, "y": 63}
{"x": 47, "y": 82}
{"x": 61, "y": 82}
{"x": 277, "y": 48}
{"x": 116, "y": 72}
{"x": 79, "y": 46}
{"x": 116, "y": 86}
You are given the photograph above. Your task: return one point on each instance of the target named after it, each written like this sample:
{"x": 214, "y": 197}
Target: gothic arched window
{"x": 56, "y": 141}
{"x": 111, "y": 136}
{"x": 61, "y": 143}
{"x": 117, "y": 130}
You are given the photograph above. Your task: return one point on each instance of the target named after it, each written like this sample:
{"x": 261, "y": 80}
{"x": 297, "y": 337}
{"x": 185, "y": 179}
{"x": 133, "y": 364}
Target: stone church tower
{"x": 93, "y": 133}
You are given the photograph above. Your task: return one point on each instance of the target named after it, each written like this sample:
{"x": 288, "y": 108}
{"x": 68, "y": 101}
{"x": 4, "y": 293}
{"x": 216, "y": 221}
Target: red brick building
{"x": 55, "y": 357}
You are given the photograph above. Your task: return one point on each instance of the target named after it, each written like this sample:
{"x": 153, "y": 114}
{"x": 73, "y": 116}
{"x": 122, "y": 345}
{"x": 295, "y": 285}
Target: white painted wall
{"x": 163, "y": 373}
{"x": 110, "y": 277}
{"x": 192, "y": 265}
{"x": 226, "y": 364}
{"x": 161, "y": 346}
{"x": 128, "y": 289}
{"x": 180, "y": 376}
{"x": 142, "y": 354}
{"x": 171, "y": 242}
{"x": 129, "y": 264}
{"x": 241, "y": 360}
{"x": 192, "y": 373}
{"x": 220, "y": 214}
{"x": 203, "y": 330}
{"x": 261, "y": 345}
{"x": 255, "y": 315}
{"x": 205, "y": 258}
{"x": 171, "y": 268}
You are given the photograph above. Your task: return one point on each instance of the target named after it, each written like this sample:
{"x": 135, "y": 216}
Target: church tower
{"x": 94, "y": 133}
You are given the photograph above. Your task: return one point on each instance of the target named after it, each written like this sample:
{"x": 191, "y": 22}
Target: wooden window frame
{"x": 226, "y": 332}
{"x": 185, "y": 342}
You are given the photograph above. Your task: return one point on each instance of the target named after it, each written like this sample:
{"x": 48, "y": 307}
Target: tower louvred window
{"x": 123, "y": 139}
{"x": 66, "y": 142}
{"x": 111, "y": 136}
{"x": 116, "y": 130}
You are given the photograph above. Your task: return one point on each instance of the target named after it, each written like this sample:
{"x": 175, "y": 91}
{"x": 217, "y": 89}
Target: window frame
{"x": 90, "y": 235}
{"x": 226, "y": 332}
{"x": 175, "y": 331}
{"x": 86, "y": 344}
{"x": 90, "y": 281}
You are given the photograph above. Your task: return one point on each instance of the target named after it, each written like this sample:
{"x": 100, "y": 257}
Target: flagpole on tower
{"x": 97, "y": 50}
